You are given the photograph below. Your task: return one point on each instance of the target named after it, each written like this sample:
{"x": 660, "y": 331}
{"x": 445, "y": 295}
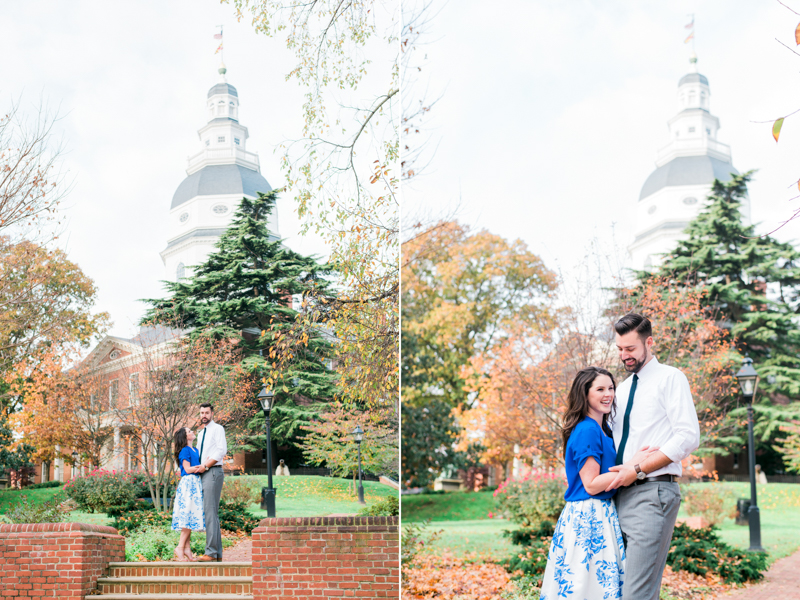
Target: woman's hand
{"x": 641, "y": 454}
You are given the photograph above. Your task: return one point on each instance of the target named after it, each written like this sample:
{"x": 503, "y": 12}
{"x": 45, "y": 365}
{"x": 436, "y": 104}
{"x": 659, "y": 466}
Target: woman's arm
{"x": 594, "y": 483}
{"x": 188, "y": 468}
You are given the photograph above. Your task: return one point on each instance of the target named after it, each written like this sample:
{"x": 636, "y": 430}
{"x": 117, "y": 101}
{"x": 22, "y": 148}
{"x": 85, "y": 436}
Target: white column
{"x": 58, "y": 470}
{"x": 116, "y": 457}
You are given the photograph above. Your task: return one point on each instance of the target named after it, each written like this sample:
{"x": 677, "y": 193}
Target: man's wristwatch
{"x": 639, "y": 473}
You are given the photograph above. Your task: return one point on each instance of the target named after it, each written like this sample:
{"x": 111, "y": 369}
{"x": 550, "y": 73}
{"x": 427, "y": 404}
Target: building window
{"x": 221, "y": 139}
{"x": 691, "y": 129}
{"x": 114, "y": 354}
{"x": 184, "y": 217}
{"x": 651, "y": 210}
{"x": 264, "y": 455}
{"x": 113, "y": 394}
{"x": 708, "y": 131}
{"x": 180, "y": 272}
{"x": 208, "y": 142}
{"x": 133, "y": 386}
{"x": 690, "y": 201}
{"x": 219, "y": 209}
{"x": 236, "y": 141}
{"x": 92, "y": 402}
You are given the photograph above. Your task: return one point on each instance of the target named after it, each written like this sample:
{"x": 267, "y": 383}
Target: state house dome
{"x": 215, "y": 180}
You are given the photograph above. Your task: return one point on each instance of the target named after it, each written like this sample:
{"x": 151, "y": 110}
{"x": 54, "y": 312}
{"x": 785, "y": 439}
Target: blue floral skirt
{"x": 587, "y": 556}
{"x": 187, "y": 512}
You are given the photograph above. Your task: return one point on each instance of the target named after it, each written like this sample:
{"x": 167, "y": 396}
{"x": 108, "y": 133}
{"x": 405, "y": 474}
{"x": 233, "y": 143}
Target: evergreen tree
{"x": 752, "y": 281}
{"x": 244, "y": 289}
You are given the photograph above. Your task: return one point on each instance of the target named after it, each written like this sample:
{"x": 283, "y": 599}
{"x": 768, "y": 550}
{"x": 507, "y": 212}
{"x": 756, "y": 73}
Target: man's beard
{"x": 204, "y": 420}
{"x": 637, "y": 365}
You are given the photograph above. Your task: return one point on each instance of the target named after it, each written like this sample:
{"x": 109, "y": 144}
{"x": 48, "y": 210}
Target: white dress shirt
{"x": 662, "y": 415}
{"x": 215, "y": 445}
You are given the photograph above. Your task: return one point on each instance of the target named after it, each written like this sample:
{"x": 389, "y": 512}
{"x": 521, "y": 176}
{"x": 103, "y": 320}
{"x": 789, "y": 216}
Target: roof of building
{"x": 687, "y": 170}
{"x": 693, "y": 78}
{"x": 218, "y": 180}
{"x": 223, "y": 88}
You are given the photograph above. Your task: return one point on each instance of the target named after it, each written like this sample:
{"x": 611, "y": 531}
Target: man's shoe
{"x": 219, "y": 559}
{"x": 206, "y": 558}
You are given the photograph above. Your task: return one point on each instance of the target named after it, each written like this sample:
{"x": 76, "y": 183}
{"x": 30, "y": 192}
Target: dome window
{"x": 184, "y": 217}
{"x": 689, "y": 201}
{"x": 180, "y": 272}
{"x": 691, "y": 129}
{"x": 651, "y": 210}
{"x": 220, "y": 209}
{"x": 208, "y": 142}
{"x": 236, "y": 141}
{"x": 221, "y": 139}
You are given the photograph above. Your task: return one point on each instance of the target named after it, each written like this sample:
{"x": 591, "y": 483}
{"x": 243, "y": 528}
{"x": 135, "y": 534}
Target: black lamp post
{"x": 267, "y": 398}
{"x": 359, "y": 435}
{"x": 748, "y": 382}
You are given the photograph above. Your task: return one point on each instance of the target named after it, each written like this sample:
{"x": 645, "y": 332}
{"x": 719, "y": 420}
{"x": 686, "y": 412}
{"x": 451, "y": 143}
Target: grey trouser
{"x": 212, "y": 490}
{"x": 647, "y": 514}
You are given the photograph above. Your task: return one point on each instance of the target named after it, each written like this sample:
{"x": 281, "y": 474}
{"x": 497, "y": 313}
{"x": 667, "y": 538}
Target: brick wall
{"x": 56, "y": 560}
{"x": 326, "y": 557}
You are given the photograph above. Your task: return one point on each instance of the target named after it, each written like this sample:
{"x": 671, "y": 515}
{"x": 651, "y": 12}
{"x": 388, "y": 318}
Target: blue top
{"x": 190, "y": 454}
{"x": 587, "y": 439}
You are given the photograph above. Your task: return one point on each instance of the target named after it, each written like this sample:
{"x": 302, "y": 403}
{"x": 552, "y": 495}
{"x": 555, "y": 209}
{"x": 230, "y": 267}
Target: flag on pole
{"x": 218, "y": 50}
{"x": 691, "y": 24}
{"x": 686, "y": 41}
{"x": 218, "y": 36}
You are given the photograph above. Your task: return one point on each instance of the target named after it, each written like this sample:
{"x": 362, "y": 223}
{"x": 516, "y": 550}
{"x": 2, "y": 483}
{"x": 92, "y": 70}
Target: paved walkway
{"x": 241, "y": 552}
{"x": 781, "y": 582}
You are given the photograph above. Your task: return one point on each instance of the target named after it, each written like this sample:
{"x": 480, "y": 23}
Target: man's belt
{"x": 670, "y": 478}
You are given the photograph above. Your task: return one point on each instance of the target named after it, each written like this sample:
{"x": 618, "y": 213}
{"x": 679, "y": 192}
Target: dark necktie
{"x": 206, "y": 431}
{"x": 626, "y": 422}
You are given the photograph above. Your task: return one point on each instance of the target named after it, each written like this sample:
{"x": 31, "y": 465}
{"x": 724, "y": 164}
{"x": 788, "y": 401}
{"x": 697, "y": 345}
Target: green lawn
{"x": 452, "y": 506}
{"x": 297, "y": 496}
{"x": 461, "y": 518}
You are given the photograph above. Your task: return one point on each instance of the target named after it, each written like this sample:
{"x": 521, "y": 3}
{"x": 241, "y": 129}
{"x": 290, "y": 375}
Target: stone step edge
{"x": 175, "y": 563}
{"x": 172, "y": 597}
{"x": 176, "y": 579}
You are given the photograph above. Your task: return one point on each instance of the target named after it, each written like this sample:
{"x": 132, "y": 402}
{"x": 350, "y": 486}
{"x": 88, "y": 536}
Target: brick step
{"x": 175, "y": 585}
{"x": 180, "y": 569}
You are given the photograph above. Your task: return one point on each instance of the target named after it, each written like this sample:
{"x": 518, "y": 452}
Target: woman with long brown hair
{"x": 187, "y": 512}
{"x": 587, "y": 554}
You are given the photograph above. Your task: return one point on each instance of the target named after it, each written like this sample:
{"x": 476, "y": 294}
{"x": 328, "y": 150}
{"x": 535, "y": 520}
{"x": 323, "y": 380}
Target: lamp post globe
{"x": 358, "y": 434}
{"x": 267, "y": 399}
{"x": 748, "y": 383}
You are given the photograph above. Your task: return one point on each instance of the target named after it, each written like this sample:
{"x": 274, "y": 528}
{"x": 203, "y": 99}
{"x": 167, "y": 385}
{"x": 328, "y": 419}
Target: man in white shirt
{"x": 213, "y": 448}
{"x": 654, "y": 408}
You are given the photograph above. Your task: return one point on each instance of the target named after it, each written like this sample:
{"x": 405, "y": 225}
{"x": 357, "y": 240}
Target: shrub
{"x": 530, "y": 562}
{"x": 523, "y": 588}
{"x": 46, "y": 484}
{"x": 233, "y": 516}
{"x": 141, "y": 519}
{"x": 386, "y": 507}
{"x": 241, "y": 490}
{"x": 536, "y": 498}
{"x": 103, "y": 491}
{"x": 699, "y": 551}
{"x": 711, "y": 501}
{"x": 29, "y": 512}
{"x": 158, "y": 543}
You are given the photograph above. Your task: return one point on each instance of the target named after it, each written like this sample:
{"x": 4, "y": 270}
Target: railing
{"x": 691, "y": 147}
{"x": 223, "y": 156}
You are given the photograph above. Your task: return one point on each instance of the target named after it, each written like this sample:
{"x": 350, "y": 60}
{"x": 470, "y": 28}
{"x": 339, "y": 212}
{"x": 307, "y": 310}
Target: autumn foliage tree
{"x": 330, "y": 440}
{"x": 464, "y": 293}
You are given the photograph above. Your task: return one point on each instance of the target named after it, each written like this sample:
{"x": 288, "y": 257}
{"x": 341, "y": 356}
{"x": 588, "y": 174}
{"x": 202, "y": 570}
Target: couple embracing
{"x": 196, "y": 505}
{"x": 613, "y": 536}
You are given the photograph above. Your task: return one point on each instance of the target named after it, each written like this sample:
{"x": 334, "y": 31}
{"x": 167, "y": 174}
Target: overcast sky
{"x": 551, "y": 112}
{"x": 131, "y": 80}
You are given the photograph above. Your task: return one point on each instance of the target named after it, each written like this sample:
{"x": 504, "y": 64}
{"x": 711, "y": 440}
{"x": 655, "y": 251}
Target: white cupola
{"x": 219, "y": 174}
{"x": 686, "y": 167}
